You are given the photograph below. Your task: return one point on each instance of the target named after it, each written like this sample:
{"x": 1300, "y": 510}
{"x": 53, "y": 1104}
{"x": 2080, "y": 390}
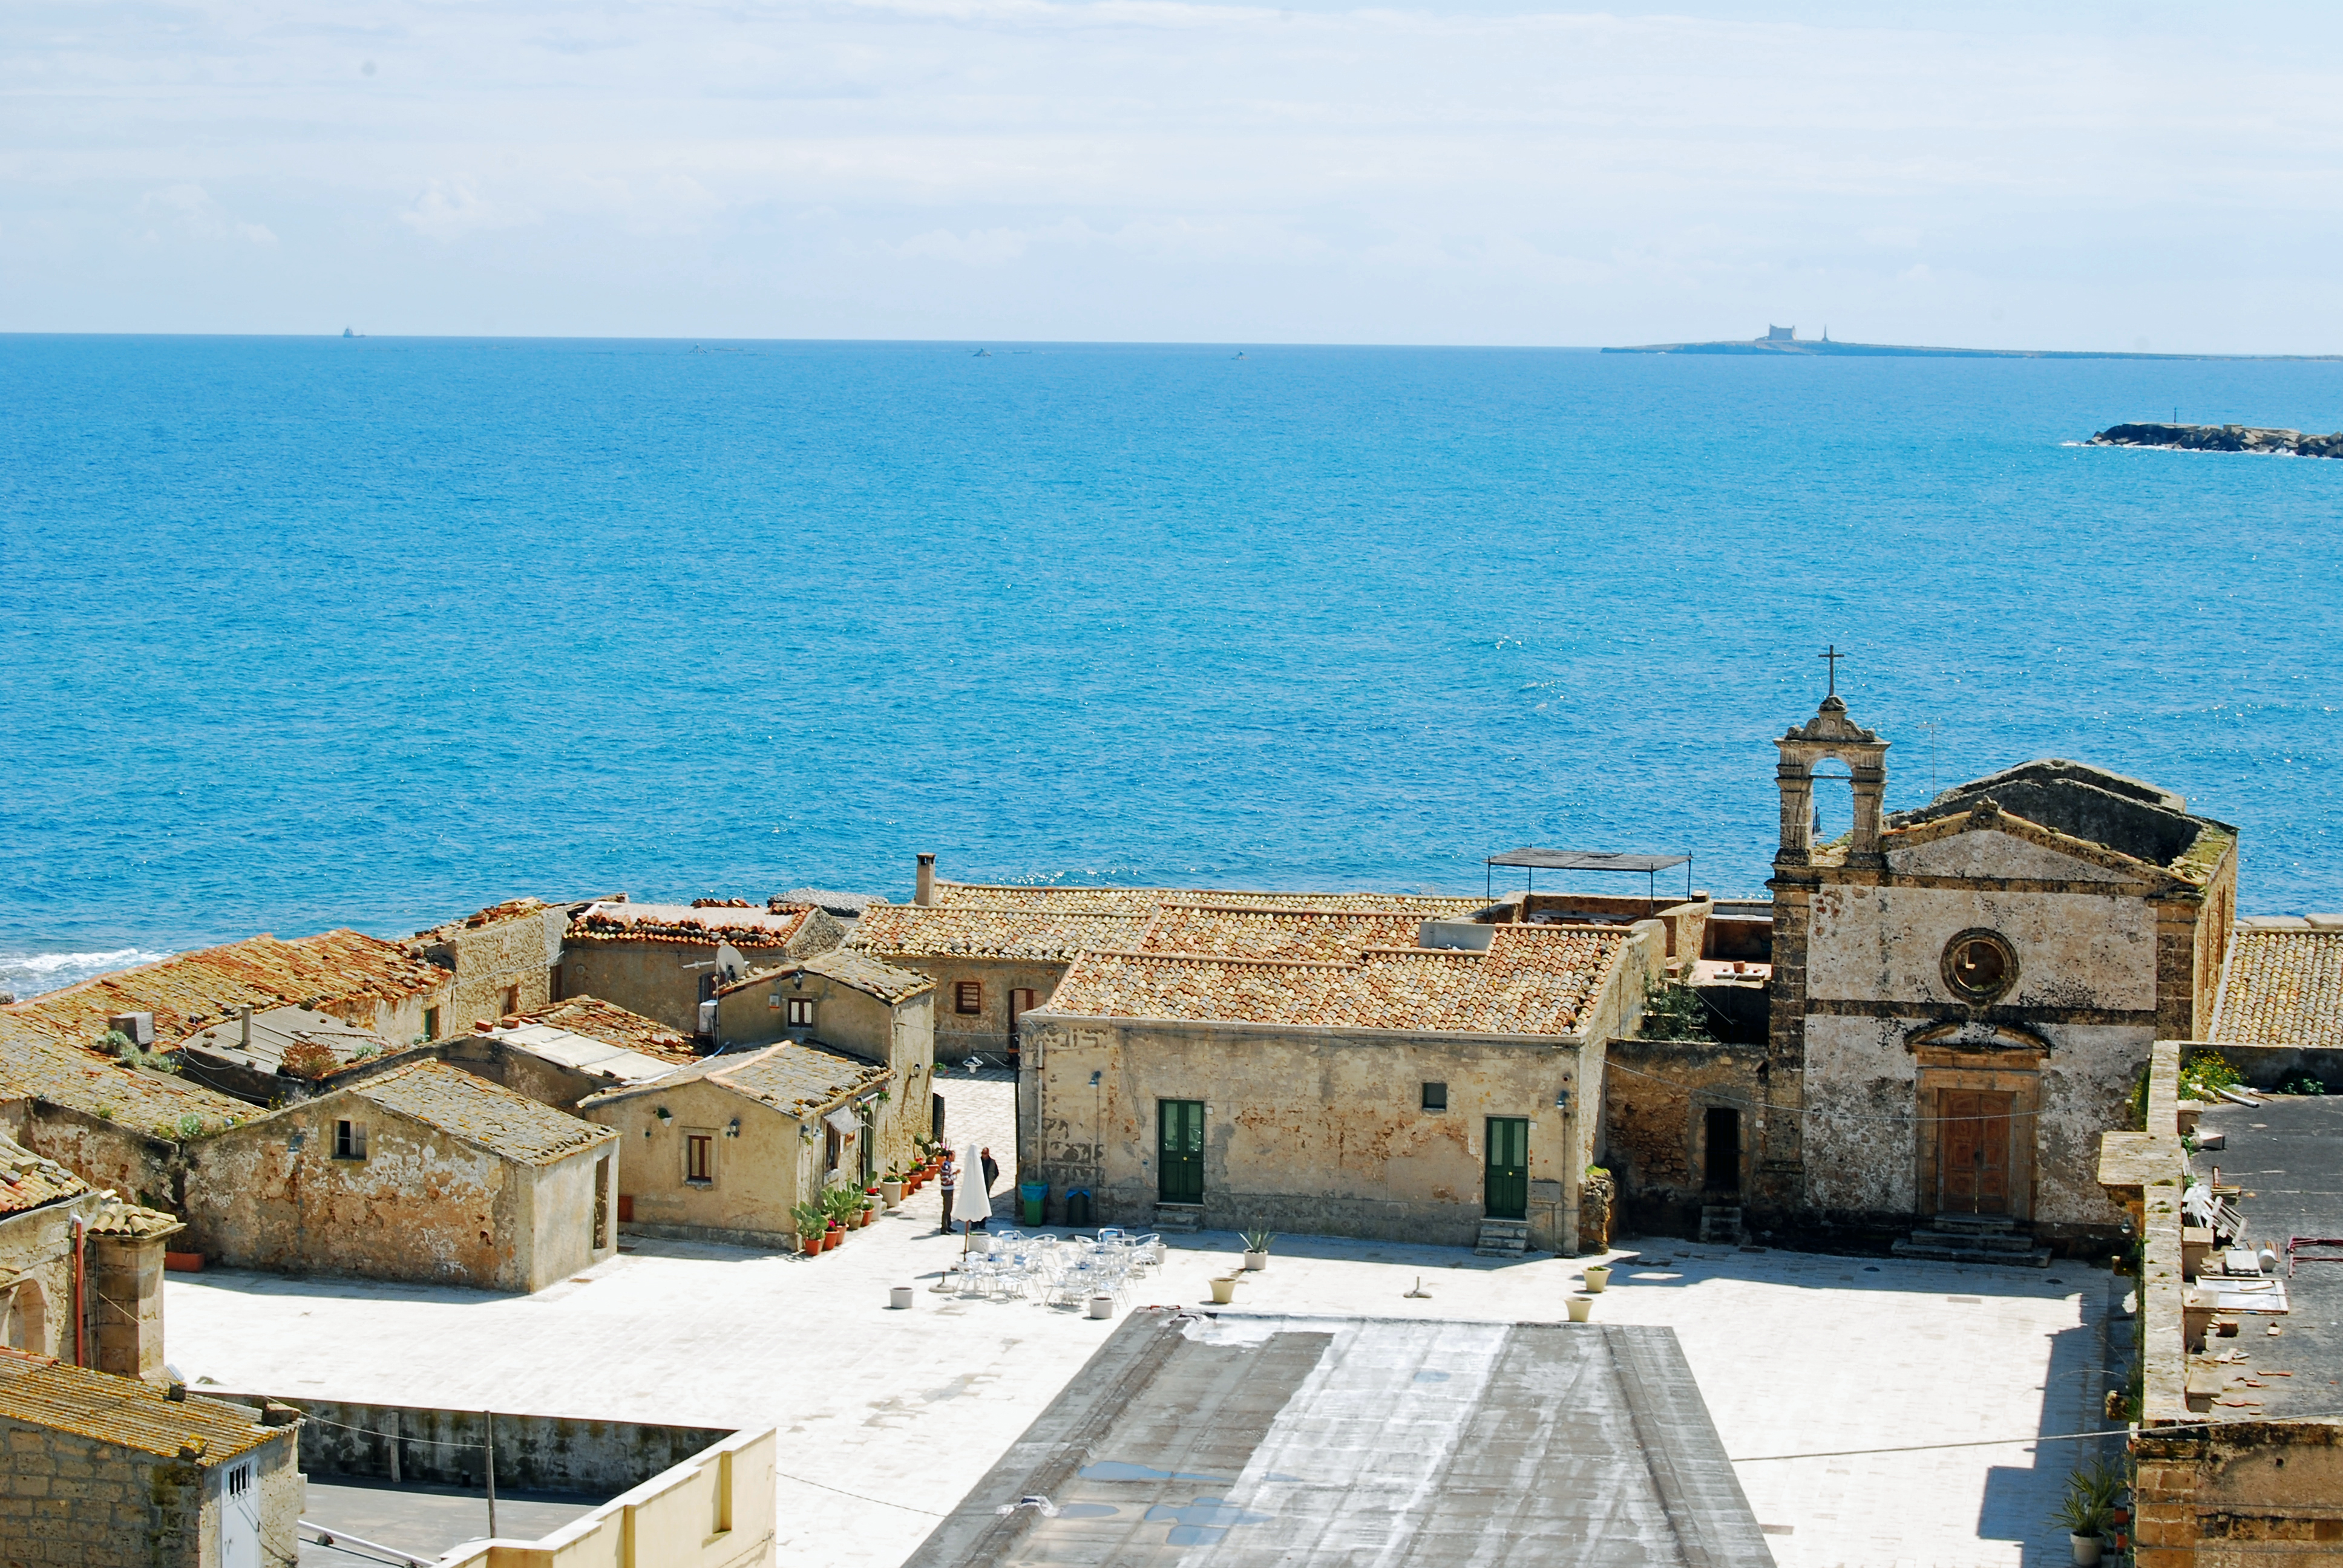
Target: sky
{"x": 2084, "y": 175}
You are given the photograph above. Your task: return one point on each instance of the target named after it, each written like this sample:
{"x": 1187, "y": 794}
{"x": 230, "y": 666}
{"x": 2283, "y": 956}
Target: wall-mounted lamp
{"x": 734, "y": 1129}
{"x": 1561, "y": 1100}
{"x": 1094, "y": 1078}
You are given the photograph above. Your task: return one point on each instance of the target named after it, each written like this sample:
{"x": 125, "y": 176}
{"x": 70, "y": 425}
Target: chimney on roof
{"x": 924, "y": 892}
{"x": 243, "y": 1018}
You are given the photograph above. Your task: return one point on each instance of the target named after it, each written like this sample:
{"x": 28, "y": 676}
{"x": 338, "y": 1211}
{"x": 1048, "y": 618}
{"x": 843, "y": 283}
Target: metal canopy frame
{"x": 1532, "y": 859}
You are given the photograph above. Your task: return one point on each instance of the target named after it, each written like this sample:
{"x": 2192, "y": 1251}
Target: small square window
{"x": 968, "y": 997}
{"x": 349, "y": 1140}
{"x": 800, "y": 1012}
{"x": 430, "y": 1023}
{"x": 1436, "y": 1097}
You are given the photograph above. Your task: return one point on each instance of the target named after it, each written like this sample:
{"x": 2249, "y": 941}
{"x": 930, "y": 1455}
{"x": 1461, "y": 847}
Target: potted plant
{"x": 811, "y": 1223}
{"x": 890, "y": 1189}
{"x": 1225, "y": 1289}
{"x": 1581, "y": 1307}
{"x": 1256, "y": 1249}
{"x": 2085, "y": 1514}
{"x": 1598, "y": 1275}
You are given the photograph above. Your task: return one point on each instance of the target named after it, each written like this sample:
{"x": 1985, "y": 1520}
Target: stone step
{"x": 1721, "y": 1224}
{"x": 1185, "y": 1218}
{"x": 1975, "y": 1241}
{"x": 1502, "y": 1239}
{"x": 2032, "y": 1257}
{"x": 1981, "y": 1223}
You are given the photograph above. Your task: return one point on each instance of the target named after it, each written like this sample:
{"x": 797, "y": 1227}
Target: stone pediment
{"x": 1988, "y": 844}
{"x": 1831, "y": 724}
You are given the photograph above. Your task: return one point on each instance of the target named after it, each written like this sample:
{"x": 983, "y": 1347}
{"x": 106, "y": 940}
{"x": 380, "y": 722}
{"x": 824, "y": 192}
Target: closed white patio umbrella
{"x": 971, "y": 1201}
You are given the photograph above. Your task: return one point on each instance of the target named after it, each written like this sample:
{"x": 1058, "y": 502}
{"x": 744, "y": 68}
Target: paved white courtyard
{"x": 887, "y": 1418}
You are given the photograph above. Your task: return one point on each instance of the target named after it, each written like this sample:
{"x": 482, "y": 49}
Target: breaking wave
{"x": 30, "y": 974}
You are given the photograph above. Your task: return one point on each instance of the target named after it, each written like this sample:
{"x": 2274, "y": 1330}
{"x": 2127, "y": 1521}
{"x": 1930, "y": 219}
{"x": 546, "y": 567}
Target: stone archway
{"x": 28, "y": 1319}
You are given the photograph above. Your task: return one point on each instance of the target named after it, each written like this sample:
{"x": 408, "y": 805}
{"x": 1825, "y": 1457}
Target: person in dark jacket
{"x": 990, "y": 1168}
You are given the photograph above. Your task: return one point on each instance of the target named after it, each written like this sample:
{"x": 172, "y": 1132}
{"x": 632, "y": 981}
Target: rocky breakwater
{"x": 2221, "y": 438}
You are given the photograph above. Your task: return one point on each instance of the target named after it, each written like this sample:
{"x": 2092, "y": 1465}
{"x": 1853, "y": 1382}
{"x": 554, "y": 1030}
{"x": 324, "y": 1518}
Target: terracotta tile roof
{"x": 1534, "y": 980}
{"x": 1140, "y": 900}
{"x": 487, "y": 1115}
{"x": 147, "y": 1103}
{"x": 801, "y": 1081}
{"x": 798, "y": 1078}
{"x": 697, "y": 924}
{"x": 40, "y": 1391}
{"x": 1036, "y": 934}
{"x": 119, "y": 1217}
{"x": 612, "y": 1025}
{"x": 511, "y": 908}
{"x": 327, "y": 971}
{"x": 1236, "y": 930}
{"x": 27, "y": 1181}
{"x": 2282, "y": 987}
{"x": 870, "y": 975}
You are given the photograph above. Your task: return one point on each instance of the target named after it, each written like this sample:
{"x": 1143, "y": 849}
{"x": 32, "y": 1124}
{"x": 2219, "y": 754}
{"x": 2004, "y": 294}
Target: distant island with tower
{"x": 1786, "y": 340}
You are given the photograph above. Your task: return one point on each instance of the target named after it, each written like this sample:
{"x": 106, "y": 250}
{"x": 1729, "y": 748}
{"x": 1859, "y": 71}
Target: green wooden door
{"x": 1507, "y": 1186}
{"x": 1179, "y": 1151}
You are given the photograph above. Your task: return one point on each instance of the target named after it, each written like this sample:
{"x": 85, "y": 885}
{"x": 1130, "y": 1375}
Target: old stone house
{"x": 1960, "y": 999}
{"x": 106, "y": 1469}
{"x": 1364, "y": 1071}
{"x": 843, "y": 999}
{"x": 80, "y": 1269}
{"x": 500, "y": 960}
{"x": 997, "y": 952}
{"x": 425, "y": 1173}
{"x": 664, "y": 961}
{"x": 115, "y": 1127}
{"x": 560, "y": 1054}
{"x": 722, "y": 1150}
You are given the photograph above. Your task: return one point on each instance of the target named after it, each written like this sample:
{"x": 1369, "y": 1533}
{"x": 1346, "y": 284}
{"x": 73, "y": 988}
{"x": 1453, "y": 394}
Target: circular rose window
{"x": 1979, "y": 966}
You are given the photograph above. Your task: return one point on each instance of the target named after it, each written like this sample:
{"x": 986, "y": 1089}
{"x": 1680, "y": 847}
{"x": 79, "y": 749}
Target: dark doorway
{"x": 1179, "y": 1151}
{"x": 1722, "y": 1161}
{"x": 1507, "y": 1184}
{"x": 1021, "y": 1001}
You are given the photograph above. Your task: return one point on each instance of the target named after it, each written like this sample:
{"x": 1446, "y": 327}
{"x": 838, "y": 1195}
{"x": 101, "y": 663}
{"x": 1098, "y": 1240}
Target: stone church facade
{"x": 1961, "y": 999}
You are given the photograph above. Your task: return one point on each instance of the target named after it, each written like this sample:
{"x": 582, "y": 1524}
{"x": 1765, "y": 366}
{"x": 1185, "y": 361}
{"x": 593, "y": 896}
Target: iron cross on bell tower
{"x": 1830, "y": 658}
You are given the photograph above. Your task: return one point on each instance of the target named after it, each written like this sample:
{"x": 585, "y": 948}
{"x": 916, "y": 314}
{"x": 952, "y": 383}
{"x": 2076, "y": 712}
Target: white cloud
{"x": 196, "y": 213}
{"x": 1377, "y": 173}
{"x": 449, "y": 209}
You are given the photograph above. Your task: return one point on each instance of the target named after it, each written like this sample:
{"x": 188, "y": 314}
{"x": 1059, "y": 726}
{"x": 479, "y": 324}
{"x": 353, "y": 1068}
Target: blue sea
{"x": 310, "y": 632}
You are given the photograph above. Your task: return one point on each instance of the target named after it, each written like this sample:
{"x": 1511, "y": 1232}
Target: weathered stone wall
{"x": 443, "y": 1447}
{"x": 126, "y": 1306}
{"x": 663, "y": 980}
{"x": 756, "y": 1176}
{"x": 1656, "y": 1097}
{"x": 959, "y": 1035}
{"x": 1306, "y": 1131}
{"x": 421, "y": 1206}
{"x": 36, "y": 1252}
{"x": 102, "y": 1151}
{"x": 505, "y": 965}
{"x": 74, "y": 1502}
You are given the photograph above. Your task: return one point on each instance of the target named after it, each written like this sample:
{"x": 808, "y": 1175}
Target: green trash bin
{"x": 1032, "y": 1197}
